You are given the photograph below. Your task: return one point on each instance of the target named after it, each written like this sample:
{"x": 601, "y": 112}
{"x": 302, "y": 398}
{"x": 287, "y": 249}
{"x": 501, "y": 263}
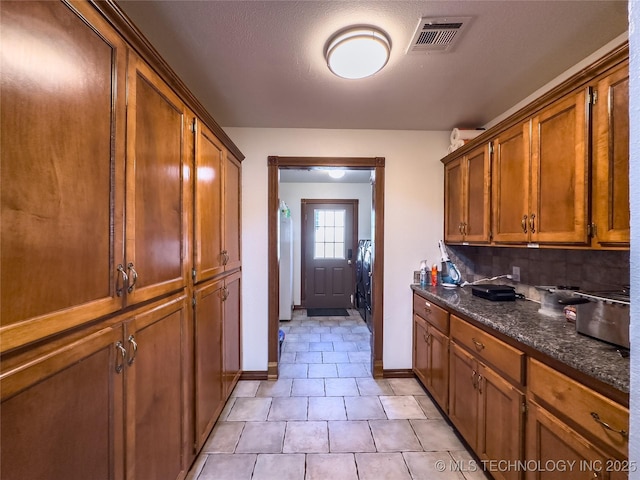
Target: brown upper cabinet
{"x": 510, "y": 187}
{"x": 610, "y": 196}
{"x": 216, "y": 207}
{"x": 540, "y": 175}
{"x": 155, "y": 215}
{"x": 559, "y": 173}
{"x": 62, "y": 213}
{"x": 467, "y": 197}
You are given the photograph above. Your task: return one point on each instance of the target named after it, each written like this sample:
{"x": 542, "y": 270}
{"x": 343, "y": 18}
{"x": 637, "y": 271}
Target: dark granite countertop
{"x": 552, "y": 336}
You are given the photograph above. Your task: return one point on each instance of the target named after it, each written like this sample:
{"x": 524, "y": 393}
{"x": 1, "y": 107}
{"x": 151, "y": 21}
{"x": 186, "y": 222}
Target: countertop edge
{"x": 520, "y": 322}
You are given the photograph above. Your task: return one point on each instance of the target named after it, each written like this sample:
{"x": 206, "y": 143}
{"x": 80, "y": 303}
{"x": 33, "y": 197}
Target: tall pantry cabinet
{"x": 101, "y": 205}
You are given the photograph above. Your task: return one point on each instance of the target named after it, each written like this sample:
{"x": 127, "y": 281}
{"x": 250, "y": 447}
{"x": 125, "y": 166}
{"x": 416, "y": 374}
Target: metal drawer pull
{"x": 524, "y": 223}
{"x": 479, "y": 345}
{"x": 427, "y": 307}
{"x": 135, "y": 350}
{"x": 596, "y": 417}
{"x": 125, "y": 279}
{"x": 123, "y": 352}
{"x": 134, "y": 277}
{"x": 532, "y": 223}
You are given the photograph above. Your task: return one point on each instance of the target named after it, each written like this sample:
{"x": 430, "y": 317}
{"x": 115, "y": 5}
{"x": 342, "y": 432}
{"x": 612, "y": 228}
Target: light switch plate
{"x": 515, "y": 274}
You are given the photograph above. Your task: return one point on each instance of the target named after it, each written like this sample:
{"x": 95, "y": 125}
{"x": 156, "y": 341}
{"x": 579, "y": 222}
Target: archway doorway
{"x": 376, "y": 164}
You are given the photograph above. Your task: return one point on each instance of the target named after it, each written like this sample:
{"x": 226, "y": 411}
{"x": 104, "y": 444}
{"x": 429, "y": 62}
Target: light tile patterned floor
{"x": 326, "y": 418}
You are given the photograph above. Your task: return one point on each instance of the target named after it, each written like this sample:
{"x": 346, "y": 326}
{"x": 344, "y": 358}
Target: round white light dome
{"x": 358, "y": 53}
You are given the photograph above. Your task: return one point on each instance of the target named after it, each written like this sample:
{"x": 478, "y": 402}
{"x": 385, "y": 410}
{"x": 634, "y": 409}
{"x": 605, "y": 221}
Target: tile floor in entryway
{"x": 326, "y": 418}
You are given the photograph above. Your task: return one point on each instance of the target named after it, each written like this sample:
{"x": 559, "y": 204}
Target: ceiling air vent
{"x": 438, "y": 34}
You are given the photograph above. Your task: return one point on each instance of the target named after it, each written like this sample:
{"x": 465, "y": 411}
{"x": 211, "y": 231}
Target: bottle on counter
{"x": 434, "y": 275}
{"x": 424, "y": 276}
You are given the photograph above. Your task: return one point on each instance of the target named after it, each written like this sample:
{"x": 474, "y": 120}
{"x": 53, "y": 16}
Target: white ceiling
{"x": 261, "y": 63}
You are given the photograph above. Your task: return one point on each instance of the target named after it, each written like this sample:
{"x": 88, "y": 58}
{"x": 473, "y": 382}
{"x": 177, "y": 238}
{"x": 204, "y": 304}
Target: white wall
{"x": 634, "y": 190}
{"x": 413, "y": 220}
{"x": 601, "y": 52}
{"x": 292, "y": 193}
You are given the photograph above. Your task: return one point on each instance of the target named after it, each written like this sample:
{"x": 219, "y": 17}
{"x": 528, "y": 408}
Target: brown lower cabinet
{"x": 552, "y": 443}
{"x": 431, "y": 360}
{"x": 217, "y": 349}
{"x": 521, "y": 417}
{"x": 108, "y": 405}
{"x": 487, "y": 411}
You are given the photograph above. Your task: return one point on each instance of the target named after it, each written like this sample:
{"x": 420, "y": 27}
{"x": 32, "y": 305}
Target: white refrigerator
{"x": 286, "y": 263}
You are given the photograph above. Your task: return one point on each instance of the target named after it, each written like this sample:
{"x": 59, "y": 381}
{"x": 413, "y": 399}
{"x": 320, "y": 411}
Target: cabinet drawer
{"x": 580, "y": 406}
{"x": 433, "y": 314}
{"x": 505, "y": 358}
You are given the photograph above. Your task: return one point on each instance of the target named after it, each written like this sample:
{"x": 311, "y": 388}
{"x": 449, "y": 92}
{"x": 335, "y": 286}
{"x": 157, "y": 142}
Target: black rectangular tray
{"x": 495, "y": 293}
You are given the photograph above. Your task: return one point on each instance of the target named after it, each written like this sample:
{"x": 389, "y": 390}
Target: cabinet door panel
{"x": 501, "y": 435}
{"x": 438, "y": 382}
{"x": 66, "y": 409}
{"x": 559, "y": 173}
{"x": 156, "y": 376}
{"x": 420, "y": 351}
{"x": 155, "y": 196}
{"x": 231, "y": 332}
{"x": 510, "y": 184}
{"x": 454, "y": 200}
{"x": 477, "y": 201}
{"x": 209, "y": 388}
{"x": 208, "y": 260}
{"x": 463, "y": 394}
{"x": 232, "y": 188}
{"x": 549, "y": 440}
{"x": 611, "y": 158}
{"x": 61, "y": 173}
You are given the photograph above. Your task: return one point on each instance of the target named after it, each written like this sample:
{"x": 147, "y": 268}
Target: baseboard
{"x": 398, "y": 373}
{"x": 254, "y": 375}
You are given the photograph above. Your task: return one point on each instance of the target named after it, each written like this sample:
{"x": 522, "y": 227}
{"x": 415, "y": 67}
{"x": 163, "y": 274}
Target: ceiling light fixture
{"x": 336, "y": 173}
{"x": 358, "y": 52}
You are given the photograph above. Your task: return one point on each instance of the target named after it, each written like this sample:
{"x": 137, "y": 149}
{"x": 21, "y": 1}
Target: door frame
{"x": 275, "y": 163}
{"x": 303, "y": 239}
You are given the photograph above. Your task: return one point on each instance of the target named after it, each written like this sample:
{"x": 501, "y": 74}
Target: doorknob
{"x": 349, "y": 262}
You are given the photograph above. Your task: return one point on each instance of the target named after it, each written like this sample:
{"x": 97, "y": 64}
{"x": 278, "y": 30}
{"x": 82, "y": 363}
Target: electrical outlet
{"x": 515, "y": 274}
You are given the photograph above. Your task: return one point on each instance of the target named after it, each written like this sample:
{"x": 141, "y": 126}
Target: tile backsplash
{"x": 586, "y": 269}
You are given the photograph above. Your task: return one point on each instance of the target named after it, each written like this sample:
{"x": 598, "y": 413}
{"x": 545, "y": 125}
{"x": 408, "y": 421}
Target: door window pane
{"x": 329, "y": 233}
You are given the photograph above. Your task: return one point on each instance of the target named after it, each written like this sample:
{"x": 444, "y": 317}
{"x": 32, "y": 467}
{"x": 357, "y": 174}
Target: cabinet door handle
{"x": 464, "y": 229}
{"x": 479, "y": 345}
{"x": 134, "y": 346}
{"x": 225, "y": 293}
{"x": 596, "y": 417}
{"x": 134, "y": 277}
{"x": 123, "y": 353}
{"x": 532, "y": 223}
{"x": 225, "y": 257}
{"x": 460, "y": 228}
{"x": 524, "y": 224}
{"x": 474, "y": 381}
{"x": 125, "y": 279}
{"x": 480, "y": 378}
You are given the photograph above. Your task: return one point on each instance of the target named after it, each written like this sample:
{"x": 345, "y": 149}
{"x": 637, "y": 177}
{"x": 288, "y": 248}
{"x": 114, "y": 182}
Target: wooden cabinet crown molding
{"x": 110, "y": 10}
{"x": 580, "y": 79}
